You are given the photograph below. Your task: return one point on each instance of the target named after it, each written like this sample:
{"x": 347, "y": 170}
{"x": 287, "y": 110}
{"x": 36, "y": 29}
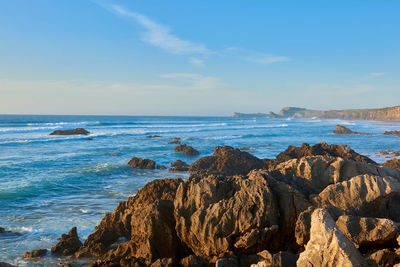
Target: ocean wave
{"x": 20, "y": 129}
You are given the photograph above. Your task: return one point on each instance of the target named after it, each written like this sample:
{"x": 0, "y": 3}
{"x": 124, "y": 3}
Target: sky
{"x": 197, "y": 57}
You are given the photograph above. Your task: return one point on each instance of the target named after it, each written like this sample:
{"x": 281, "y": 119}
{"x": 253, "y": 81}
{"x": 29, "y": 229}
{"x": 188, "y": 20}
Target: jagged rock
{"x": 226, "y": 262}
{"x": 303, "y": 225}
{"x": 179, "y": 166}
{"x": 35, "y": 253}
{"x": 393, "y": 163}
{"x": 68, "y": 244}
{"x": 140, "y": 163}
{"x": 239, "y": 212}
{"x": 120, "y": 262}
{"x": 383, "y": 258}
{"x": 280, "y": 259}
{"x": 395, "y": 133}
{"x": 146, "y": 220}
{"x": 193, "y": 261}
{"x": 363, "y": 195}
{"x": 161, "y": 167}
{"x": 367, "y": 232}
{"x": 187, "y": 150}
{"x": 154, "y": 136}
{"x": 328, "y": 246}
{"x": 77, "y": 131}
{"x": 164, "y": 262}
{"x": 323, "y": 149}
{"x": 3, "y": 231}
{"x": 227, "y": 161}
{"x": 314, "y": 173}
{"x": 177, "y": 142}
{"x": 340, "y": 129}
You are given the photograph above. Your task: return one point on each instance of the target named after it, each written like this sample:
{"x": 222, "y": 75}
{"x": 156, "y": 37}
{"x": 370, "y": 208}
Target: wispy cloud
{"x": 377, "y": 74}
{"x": 196, "y": 62}
{"x": 160, "y": 35}
{"x": 195, "y": 81}
{"x": 266, "y": 59}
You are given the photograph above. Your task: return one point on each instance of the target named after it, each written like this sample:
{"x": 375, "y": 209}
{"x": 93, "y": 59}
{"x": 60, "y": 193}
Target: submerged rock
{"x": 177, "y": 142}
{"x": 35, "y": 253}
{"x": 328, "y": 246}
{"x": 140, "y": 163}
{"x": 179, "y": 166}
{"x": 395, "y": 133}
{"x": 187, "y": 150}
{"x": 154, "y": 136}
{"x": 68, "y": 244}
{"x": 4, "y": 264}
{"x": 227, "y": 160}
{"x": 340, "y": 129}
{"x": 77, "y": 131}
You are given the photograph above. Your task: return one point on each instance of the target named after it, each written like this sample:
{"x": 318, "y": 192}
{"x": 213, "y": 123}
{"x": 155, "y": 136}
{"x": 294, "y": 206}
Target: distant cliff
{"x": 379, "y": 114}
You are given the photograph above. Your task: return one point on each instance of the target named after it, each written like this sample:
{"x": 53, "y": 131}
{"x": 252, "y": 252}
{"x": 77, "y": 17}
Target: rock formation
{"x": 35, "y": 253}
{"x": 187, "y": 150}
{"x": 140, "y": 163}
{"x": 340, "y": 129}
{"x": 179, "y": 166}
{"x": 68, "y": 244}
{"x": 77, "y": 131}
{"x": 392, "y": 163}
{"x": 395, "y": 133}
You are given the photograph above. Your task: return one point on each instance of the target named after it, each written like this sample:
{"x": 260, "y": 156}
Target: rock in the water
{"x": 367, "y": 232}
{"x": 179, "y": 166}
{"x": 176, "y": 142}
{"x": 340, "y": 129}
{"x": 227, "y": 161}
{"x": 145, "y": 220}
{"x": 363, "y": 195}
{"x": 77, "y": 131}
{"x": 154, "y": 136}
{"x": 395, "y": 133}
{"x": 140, "y": 163}
{"x": 35, "y": 253}
{"x": 2, "y": 230}
{"x": 382, "y": 258}
{"x": 393, "y": 163}
{"x": 68, "y": 244}
{"x": 328, "y": 246}
{"x": 342, "y": 151}
{"x": 4, "y": 264}
{"x": 187, "y": 150}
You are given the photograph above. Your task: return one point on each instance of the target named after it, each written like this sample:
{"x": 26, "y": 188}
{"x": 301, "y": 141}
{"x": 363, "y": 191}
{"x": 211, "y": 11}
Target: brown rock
{"x": 303, "y": 225}
{"x": 145, "y": 220}
{"x": 340, "y": 129}
{"x": 35, "y": 253}
{"x": 393, "y": 163}
{"x": 161, "y": 167}
{"x": 77, "y": 131}
{"x": 177, "y": 142}
{"x": 227, "y": 161}
{"x": 193, "y": 261}
{"x": 164, "y": 262}
{"x": 187, "y": 150}
{"x": 140, "y": 163}
{"x": 68, "y": 244}
{"x": 179, "y": 166}
{"x": 342, "y": 151}
{"x": 154, "y": 136}
{"x": 363, "y": 195}
{"x": 328, "y": 246}
{"x": 395, "y": 133}
{"x": 367, "y": 232}
{"x": 384, "y": 258}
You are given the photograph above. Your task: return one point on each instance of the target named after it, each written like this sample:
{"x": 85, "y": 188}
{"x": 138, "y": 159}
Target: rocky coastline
{"x": 321, "y": 205}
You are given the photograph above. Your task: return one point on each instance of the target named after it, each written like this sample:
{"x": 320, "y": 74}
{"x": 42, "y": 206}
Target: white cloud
{"x": 160, "y": 35}
{"x": 266, "y": 59}
{"x": 195, "y": 81}
{"x": 196, "y": 62}
{"x": 376, "y": 74}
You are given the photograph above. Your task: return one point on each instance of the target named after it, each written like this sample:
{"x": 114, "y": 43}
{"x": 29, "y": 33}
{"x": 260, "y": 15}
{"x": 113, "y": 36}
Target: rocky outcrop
{"x": 363, "y": 195}
{"x": 35, "y": 253}
{"x": 367, "y": 232}
{"x": 146, "y": 223}
{"x": 227, "y": 160}
{"x": 176, "y": 142}
{"x": 328, "y": 246}
{"x": 395, "y": 133}
{"x": 140, "y": 163}
{"x": 68, "y": 244}
{"x": 179, "y": 166}
{"x": 382, "y": 258}
{"x": 154, "y": 136}
{"x": 323, "y": 149}
{"x": 77, "y": 131}
{"x": 340, "y": 129}
{"x": 187, "y": 150}
{"x": 392, "y": 163}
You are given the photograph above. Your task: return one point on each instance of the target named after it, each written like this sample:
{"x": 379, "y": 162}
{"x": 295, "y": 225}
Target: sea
{"x": 49, "y": 184}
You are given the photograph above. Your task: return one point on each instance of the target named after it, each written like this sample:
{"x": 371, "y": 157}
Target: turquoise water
{"x": 50, "y": 183}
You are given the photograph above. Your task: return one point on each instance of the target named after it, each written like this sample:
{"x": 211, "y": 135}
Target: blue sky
{"x": 197, "y": 57}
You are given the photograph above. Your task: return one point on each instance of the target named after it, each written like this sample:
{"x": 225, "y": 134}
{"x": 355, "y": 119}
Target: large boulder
{"x": 146, "y": 221}
{"x": 227, "y": 160}
{"x": 328, "y": 246}
{"x": 342, "y": 151}
{"x": 179, "y": 166}
{"x": 363, "y": 195}
{"x": 217, "y": 214}
{"x": 35, "y": 253}
{"x": 392, "y": 163}
{"x": 382, "y": 258}
{"x": 367, "y": 232}
{"x": 140, "y": 163}
{"x": 68, "y": 244}
{"x": 187, "y": 150}
{"x": 340, "y": 129}
{"x": 77, "y": 131}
